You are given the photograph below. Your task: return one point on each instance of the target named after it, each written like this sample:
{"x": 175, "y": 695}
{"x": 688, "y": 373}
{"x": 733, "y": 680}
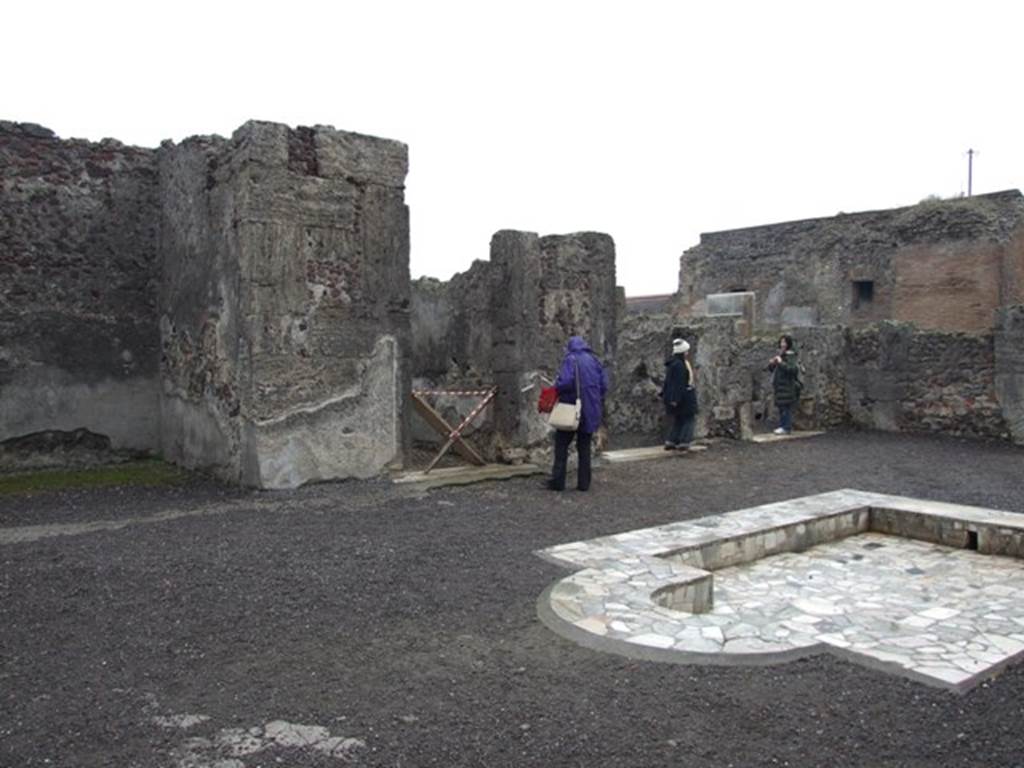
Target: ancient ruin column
{"x": 515, "y": 283}
{"x": 285, "y": 304}
{"x": 1009, "y": 377}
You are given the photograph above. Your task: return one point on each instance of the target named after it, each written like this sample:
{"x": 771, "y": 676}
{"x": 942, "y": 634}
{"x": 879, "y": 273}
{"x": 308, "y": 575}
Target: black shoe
{"x": 549, "y": 485}
{"x": 669, "y": 447}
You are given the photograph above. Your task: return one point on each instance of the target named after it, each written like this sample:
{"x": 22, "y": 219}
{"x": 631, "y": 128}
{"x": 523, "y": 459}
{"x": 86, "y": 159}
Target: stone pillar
{"x": 578, "y": 294}
{"x": 515, "y": 293}
{"x": 285, "y": 300}
{"x": 544, "y": 290}
{"x": 1009, "y": 371}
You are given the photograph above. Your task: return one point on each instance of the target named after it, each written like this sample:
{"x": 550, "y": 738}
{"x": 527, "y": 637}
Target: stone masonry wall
{"x": 204, "y": 379}
{"x": 945, "y": 265}
{"x": 902, "y": 379}
{"x": 285, "y": 310}
{"x": 887, "y": 376}
{"x": 243, "y": 305}
{"x": 506, "y": 322}
{"x": 1009, "y": 371}
{"x": 79, "y": 345}
{"x": 734, "y": 387}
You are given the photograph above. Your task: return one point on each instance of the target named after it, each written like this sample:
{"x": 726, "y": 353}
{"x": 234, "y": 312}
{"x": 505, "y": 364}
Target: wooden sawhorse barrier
{"x": 452, "y": 434}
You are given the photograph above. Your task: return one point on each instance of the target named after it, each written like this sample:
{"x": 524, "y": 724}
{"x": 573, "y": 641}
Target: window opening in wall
{"x": 972, "y": 540}
{"x": 863, "y": 293}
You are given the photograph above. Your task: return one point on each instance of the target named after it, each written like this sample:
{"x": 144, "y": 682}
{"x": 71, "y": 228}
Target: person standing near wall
{"x": 680, "y": 396}
{"x": 785, "y": 383}
{"x": 592, "y": 385}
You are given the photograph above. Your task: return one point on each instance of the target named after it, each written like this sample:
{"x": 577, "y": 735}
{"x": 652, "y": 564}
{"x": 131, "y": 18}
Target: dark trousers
{"x": 786, "y": 416}
{"x": 681, "y": 430}
{"x": 562, "y": 441}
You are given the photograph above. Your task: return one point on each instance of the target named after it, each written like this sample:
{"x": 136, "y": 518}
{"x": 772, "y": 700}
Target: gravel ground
{"x": 406, "y": 622}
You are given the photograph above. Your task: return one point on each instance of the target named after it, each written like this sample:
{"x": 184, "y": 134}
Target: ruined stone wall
{"x": 204, "y": 379}
{"x": 243, "y": 305}
{"x": 79, "y": 346}
{"x": 903, "y": 379}
{"x": 285, "y": 308}
{"x": 451, "y": 348}
{"x": 578, "y": 294}
{"x": 506, "y": 321}
{"x": 888, "y": 376}
{"x": 1009, "y": 369}
{"x": 644, "y": 343}
{"x": 945, "y": 265}
{"x": 1011, "y": 288}
{"x": 734, "y": 387}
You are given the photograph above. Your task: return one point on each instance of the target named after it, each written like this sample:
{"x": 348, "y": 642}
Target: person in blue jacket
{"x": 593, "y": 386}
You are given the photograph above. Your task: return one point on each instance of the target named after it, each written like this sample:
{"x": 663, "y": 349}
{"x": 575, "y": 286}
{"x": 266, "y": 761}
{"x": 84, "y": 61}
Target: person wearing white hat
{"x": 680, "y": 397}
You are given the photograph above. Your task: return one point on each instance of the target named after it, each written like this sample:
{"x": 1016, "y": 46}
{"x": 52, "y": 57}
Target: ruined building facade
{"x": 941, "y": 265}
{"x": 505, "y": 322}
{"x": 239, "y": 305}
{"x": 244, "y": 306}
{"x": 906, "y": 319}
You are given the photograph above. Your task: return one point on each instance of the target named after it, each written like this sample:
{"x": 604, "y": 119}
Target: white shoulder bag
{"x": 566, "y": 416}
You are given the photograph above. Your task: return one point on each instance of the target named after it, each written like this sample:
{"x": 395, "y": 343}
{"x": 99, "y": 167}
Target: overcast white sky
{"x": 651, "y": 121}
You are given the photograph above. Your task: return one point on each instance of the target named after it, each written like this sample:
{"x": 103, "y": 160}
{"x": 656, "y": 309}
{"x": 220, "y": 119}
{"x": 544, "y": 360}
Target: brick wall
{"x": 954, "y": 286}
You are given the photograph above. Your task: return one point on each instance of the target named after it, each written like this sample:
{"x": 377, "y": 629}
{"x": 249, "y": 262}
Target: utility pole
{"x": 970, "y": 169}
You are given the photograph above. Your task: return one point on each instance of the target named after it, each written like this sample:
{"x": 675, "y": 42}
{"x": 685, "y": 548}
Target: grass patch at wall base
{"x": 132, "y": 474}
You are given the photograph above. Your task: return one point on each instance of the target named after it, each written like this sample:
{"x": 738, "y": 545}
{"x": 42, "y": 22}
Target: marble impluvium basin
{"x": 929, "y": 590}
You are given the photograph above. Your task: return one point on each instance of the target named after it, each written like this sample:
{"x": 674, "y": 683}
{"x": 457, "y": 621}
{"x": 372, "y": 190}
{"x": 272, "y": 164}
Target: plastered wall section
{"x": 284, "y": 334}
{"x": 78, "y": 263}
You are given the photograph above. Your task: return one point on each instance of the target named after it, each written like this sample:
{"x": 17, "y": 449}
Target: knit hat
{"x": 680, "y": 346}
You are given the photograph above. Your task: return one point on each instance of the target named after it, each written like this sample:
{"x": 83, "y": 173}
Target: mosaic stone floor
{"x": 941, "y": 615}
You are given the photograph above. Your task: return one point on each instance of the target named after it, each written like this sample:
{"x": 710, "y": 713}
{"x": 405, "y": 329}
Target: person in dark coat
{"x": 593, "y": 386}
{"x": 680, "y": 396}
{"x": 785, "y": 383}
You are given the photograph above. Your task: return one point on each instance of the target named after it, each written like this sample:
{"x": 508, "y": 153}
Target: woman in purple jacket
{"x": 593, "y": 386}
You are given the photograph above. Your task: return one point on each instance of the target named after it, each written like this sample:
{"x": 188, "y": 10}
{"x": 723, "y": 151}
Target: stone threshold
{"x": 769, "y": 437}
{"x": 437, "y": 478}
{"x": 646, "y": 453}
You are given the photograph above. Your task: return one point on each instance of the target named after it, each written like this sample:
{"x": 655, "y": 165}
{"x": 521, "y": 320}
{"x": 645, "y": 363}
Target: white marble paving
{"x": 939, "y": 614}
